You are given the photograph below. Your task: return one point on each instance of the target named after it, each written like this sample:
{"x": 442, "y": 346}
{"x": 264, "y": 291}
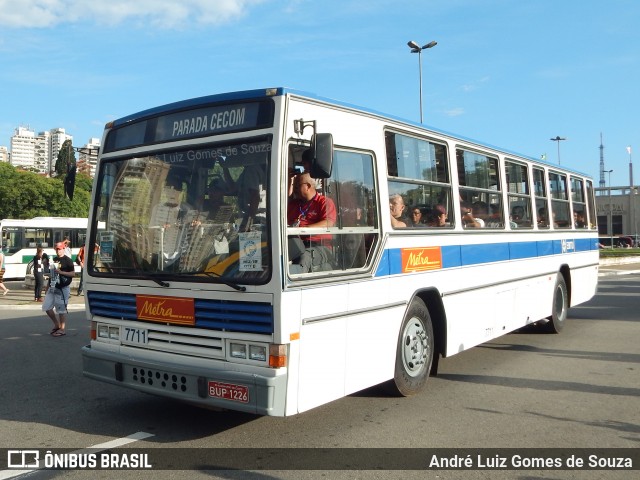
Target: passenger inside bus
{"x": 396, "y": 205}
{"x": 303, "y": 166}
{"x": 494, "y": 220}
{"x": 468, "y": 218}
{"x": 438, "y": 217}
{"x": 518, "y": 217}
{"x": 416, "y": 218}
{"x": 250, "y": 188}
{"x": 308, "y": 208}
{"x": 480, "y": 212}
{"x": 543, "y": 220}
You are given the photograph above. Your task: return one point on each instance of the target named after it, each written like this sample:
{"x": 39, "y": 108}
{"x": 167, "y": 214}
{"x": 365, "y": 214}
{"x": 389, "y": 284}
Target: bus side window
{"x": 351, "y": 189}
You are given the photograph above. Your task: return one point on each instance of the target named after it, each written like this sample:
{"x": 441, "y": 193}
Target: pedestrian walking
{"x": 40, "y": 264}
{"x": 80, "y": 262}
{"x": 61, "y": 274}
{"x": 2, "y": 286}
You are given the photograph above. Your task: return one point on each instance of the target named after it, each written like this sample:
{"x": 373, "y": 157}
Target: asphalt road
{"x": 579, "y": 389}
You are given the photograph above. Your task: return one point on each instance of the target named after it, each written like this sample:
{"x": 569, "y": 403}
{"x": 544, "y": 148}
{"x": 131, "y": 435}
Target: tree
{"x": 66, "y": 159}
{"x": 26, "y": 195}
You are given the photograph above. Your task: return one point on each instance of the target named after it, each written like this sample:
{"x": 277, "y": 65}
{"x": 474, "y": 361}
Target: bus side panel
{"x": 288, "y": 309}
{"x": 342, "y": 353}
{"x": 535, "y": 296}
{"x": 322, "y": 363}
{"x": 478, "y": 315}
{"x": 371, "y": 337}
{"x": 584, "y": 284}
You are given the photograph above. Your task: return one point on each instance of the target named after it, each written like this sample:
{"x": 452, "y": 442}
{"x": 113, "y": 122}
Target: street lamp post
{"x": 610, "y": 219}
{"x": 632, "y": 200}
{"x": 558, "y": 139}
{"x": 415, "y": 48}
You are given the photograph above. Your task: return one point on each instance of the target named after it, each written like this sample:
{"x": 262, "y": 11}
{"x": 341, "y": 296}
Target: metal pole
{"x": 420, "y": 77}
{"x": 610, "y": 226}
{"x": 632, "y": 203}
{"x": 416, "y": 48}
{"x": 557, "y": 140}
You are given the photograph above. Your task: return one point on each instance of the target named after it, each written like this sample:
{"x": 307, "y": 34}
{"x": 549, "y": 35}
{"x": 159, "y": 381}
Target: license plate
{"x": 229, "y": 391}
{"x": 135, "y": 336}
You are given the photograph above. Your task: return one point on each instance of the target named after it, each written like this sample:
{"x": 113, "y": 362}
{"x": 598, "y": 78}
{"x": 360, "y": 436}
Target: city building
{"x": 618, "y": 213}
{"x": 23, "y": 148}
{"x": 4, "y": 154}
{"x": 37, "y": 152}
{"x": 88, "y": 157}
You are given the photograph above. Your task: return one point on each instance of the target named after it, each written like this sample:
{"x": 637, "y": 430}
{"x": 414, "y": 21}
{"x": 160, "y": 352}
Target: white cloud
{"x": 454, "y": 112}
{"x": 476, "y": 84}
{"x": 158, "y": 13}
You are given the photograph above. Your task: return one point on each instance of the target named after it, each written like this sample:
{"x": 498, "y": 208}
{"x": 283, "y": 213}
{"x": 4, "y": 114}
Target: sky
{"x": 509, "y": 73}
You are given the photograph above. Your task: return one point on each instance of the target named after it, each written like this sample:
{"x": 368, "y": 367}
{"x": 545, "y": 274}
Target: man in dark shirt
{"x": 62, "y": 272}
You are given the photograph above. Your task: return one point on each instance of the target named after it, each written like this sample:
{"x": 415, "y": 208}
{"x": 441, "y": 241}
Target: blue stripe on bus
{"x": 211, "y": 314}
{"x": 465, "y": 255}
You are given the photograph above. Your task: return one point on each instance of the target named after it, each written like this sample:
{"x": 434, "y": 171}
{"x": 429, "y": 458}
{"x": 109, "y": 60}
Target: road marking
{"x": 118, "y": 442}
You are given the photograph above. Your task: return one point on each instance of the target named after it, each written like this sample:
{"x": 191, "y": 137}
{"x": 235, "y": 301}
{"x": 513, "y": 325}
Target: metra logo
{"x": 421, "y": 259}
{"x": 568, "y": 246}
{"x": 166, "y": 309}
{"x": 156, "y": 309}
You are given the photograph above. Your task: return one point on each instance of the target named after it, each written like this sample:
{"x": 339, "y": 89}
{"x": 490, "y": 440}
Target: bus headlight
{"x": 258, "y": 352}
{"x": 103, "y": 331}
{"x": 114, "y": 333}
{"x": 248, "y": 352}
{"x": 238, "y": 350}
{"x": 108, "y": 332}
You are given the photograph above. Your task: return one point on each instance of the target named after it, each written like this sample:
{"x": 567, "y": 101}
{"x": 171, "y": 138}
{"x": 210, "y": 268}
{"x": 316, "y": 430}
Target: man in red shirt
{"x": 310, "y": 209}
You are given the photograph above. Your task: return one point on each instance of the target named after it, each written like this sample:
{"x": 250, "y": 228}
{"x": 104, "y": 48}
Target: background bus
{"x": 21, "y": 237}
{"x": 205, "y": 290}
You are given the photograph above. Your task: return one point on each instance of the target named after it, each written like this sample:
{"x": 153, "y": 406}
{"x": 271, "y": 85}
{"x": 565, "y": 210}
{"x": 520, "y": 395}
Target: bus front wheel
{"x": 415, "y": 350}
{"x": 559, "y": 307}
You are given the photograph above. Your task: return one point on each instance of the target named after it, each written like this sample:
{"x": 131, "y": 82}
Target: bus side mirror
{"x": 322, "y": 145}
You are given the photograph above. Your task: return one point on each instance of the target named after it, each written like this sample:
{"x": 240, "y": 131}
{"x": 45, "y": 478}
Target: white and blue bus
{"x": 20, "y": 238}
{"x": 198, "y": 291}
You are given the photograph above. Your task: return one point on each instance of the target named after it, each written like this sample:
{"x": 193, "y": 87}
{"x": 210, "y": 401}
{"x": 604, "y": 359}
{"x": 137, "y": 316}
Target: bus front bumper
{"x": 205, "y": 387}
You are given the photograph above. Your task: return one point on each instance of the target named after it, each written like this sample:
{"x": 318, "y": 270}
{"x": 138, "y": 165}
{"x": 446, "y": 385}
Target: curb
{"x": 38, "y": 307}
{"x": 613, "y": 273}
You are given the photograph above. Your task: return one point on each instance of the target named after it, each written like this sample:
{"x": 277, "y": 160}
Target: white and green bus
{"x": 20, "y": 238}
{"x": 198, "y": 291}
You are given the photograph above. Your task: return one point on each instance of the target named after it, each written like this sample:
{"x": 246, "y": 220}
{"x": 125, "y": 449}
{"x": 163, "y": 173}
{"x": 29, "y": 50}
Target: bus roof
{"x": 263, "y": 93}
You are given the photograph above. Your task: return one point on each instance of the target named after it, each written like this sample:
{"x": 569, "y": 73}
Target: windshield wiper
{"x": 218, "y": 277}
{"x": 146, "y": 276}
{"x": 160, "y": 282}
{"x": 139, "y": 274}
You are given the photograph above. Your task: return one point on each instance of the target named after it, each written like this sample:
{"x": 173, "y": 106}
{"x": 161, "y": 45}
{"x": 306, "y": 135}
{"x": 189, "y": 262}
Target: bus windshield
{"x": 198, "y": 214}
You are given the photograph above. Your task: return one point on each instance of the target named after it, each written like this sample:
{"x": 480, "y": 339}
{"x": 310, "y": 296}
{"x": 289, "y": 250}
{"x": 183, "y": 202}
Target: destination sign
{"x": 211, "y": 120}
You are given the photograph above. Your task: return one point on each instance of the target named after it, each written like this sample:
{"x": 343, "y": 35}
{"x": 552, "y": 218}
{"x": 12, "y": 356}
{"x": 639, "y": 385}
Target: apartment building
{"x": 4, "y": 154}
{"x": 39, "y": 152}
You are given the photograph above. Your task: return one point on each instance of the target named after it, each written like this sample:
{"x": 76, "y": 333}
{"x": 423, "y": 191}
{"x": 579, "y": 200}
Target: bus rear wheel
{"x": 559, "y": 307}
{"x": 414, "y": 355}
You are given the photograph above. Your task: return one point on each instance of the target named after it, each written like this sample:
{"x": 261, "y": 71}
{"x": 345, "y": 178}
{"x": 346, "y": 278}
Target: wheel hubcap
{"x": 560, "y": 304}
{"x": 415, "y": 347}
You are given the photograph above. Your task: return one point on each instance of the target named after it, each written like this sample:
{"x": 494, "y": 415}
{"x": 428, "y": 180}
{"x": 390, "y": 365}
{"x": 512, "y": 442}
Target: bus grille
{"x": 210, "y": 314}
